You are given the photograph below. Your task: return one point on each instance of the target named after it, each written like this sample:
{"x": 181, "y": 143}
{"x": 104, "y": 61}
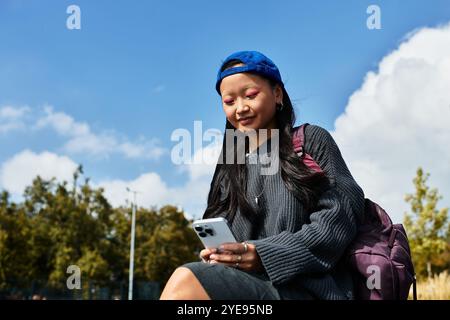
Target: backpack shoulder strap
{"x": 298, "y": 139}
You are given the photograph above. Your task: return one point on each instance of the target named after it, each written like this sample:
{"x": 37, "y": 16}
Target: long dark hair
{"x": 304, "y": 183}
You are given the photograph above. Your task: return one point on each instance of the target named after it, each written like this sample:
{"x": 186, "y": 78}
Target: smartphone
{"x": 213, "y": 232}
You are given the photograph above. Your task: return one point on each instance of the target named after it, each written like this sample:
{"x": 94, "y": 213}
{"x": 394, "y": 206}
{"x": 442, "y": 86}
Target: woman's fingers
{"x": 236, "y": 247}
{"x": 205, "y": 253}
{"x": 242, "y": 265}
{"x": 231, "y": 258}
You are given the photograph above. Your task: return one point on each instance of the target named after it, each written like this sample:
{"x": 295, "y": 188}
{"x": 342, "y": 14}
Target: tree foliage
{"x": 428, "y": 228}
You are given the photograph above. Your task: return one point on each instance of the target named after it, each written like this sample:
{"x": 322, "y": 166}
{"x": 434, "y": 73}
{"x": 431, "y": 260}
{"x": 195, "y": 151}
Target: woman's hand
{"x": 238, "y": 255}
{"x": 206, "y": 253}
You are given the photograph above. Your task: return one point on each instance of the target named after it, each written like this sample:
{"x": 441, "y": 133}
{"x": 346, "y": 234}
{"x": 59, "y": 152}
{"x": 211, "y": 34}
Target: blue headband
{"x": 254, "y": 62}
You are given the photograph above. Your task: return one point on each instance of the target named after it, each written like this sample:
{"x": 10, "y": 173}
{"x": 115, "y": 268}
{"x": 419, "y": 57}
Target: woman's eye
{"x": 228, "y": 102}
{"x": 252, "y": 96}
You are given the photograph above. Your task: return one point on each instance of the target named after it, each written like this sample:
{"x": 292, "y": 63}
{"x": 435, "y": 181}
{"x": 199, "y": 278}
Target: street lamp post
{"x": 133, "y": 226}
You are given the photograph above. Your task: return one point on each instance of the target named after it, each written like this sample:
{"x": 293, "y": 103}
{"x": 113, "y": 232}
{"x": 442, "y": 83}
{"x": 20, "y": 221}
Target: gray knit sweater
{"x": 300, "y": 249}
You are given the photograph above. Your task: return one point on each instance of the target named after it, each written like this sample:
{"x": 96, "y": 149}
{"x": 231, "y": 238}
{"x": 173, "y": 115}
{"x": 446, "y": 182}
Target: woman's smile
{"x": 245, "y": 121}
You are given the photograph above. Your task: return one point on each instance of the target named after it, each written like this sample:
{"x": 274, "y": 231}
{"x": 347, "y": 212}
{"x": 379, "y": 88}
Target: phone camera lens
{"x": 199, "y": 229}
{"x": 209, "y": 231}
{"x": 202, "y": 234}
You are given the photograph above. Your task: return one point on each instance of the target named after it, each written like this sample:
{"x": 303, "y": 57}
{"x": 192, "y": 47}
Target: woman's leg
{"x": 183, "y": 285}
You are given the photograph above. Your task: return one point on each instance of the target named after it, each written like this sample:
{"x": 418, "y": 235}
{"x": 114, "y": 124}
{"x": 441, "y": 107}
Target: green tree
{"x": 15, "y": 231}
{"x": 72, "y": 227}
{"x": 427, "y": 226}
{"x": 165, "y": 240}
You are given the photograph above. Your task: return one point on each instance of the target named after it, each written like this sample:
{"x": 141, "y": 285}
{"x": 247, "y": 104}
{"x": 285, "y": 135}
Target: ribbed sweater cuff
{"x": 280, "y": 262}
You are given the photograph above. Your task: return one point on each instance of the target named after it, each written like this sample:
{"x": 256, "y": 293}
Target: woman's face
{"x": 249, "y": 101}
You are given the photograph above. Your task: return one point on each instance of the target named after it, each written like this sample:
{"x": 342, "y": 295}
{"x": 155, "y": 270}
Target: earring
{"x": 280, "y": 106}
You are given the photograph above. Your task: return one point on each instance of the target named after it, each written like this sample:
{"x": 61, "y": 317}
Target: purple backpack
{"x": 379, "y": 257}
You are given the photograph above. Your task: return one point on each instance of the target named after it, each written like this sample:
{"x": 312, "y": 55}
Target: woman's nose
{"x": 242, "y": 107}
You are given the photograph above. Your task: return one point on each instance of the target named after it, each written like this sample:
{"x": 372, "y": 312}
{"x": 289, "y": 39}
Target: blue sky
{"x": 137, "y": 70}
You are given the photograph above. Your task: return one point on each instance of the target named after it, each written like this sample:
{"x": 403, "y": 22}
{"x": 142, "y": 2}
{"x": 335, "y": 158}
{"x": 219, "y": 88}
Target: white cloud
{"x": 12, "y": 118}
{"x": 62, "y": 123}
{"x": 203, "y": 162}
{"x": 19, "y": 171}
{"x": 153, "y": 191}
{"x": 9, "y": 112}
{"x": 83, "y": 140}
{"x": 399, "y": 120}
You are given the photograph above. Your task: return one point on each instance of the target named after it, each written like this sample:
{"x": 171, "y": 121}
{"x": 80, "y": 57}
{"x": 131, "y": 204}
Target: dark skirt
{"x": 226, "y": 283}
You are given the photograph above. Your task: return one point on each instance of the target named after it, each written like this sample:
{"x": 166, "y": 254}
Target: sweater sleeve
{"x": 319, "y": 244}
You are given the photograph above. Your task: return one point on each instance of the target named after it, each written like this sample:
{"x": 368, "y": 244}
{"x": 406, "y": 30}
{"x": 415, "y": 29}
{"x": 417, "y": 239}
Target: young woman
{"x": 293, "y": 226}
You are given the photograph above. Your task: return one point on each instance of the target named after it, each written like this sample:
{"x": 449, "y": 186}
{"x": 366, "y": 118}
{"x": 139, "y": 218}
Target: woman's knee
{"x": 183, "y": 284}
{"x": 183, "y": 275}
